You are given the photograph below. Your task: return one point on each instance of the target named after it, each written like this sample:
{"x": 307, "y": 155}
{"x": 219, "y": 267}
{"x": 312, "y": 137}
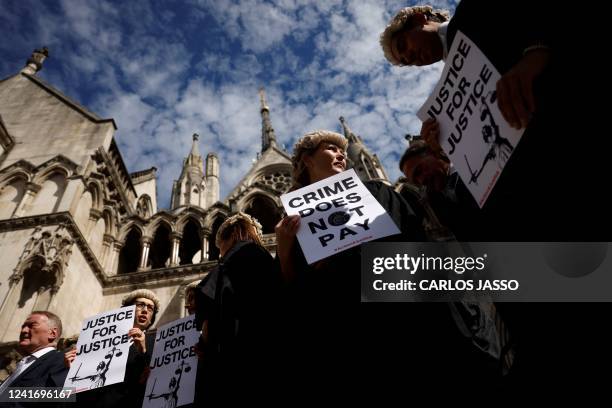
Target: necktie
{"x": 21, "y": 366}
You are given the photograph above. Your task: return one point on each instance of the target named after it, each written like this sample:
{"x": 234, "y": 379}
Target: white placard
{"x": 473, "y": 132}
{"x": 102, "y": 350}
{"x": 337, "y": 213}
{"x": 174, "y": 364}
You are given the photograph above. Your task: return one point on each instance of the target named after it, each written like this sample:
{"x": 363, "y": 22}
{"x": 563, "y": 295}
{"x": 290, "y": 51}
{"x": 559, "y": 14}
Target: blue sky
{"x": 166, "y": 69}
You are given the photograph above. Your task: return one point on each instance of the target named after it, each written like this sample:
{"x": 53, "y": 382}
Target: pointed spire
{"x": 189, "y": 188}
{"x": 345, "y": 128}
{"x": 195, "y": 151}
{"x": 348, "y": 133}
{"x": 262, "y": 99}
{"x": 35, "y": 62}
{"x": 366, "y": 164}
{"x": 268, "y": 138}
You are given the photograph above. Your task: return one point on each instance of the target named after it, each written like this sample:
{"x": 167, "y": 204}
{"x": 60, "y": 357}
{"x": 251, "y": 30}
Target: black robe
{"x": 130, "y": 392}
{"x": 239, "y": 300}
{"x": 552, "y": 188}
{"x": 562, "y": 152}
{"x": 334, "y": 342}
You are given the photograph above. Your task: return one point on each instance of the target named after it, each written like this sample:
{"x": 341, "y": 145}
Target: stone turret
{"x": 190, "y": 188}
{"x": 35, "y": 62}
{"x": 212, "y": 179}
{"x": 268, "y": 138}
{"x": 366, "y": 165}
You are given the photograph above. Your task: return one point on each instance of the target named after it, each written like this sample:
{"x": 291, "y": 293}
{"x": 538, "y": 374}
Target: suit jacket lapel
{"x": 33, "y": 370}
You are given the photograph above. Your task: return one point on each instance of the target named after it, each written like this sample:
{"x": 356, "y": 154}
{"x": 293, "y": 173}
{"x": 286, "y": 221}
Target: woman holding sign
{"x": 322, "y": 299}
{"x": 317, "y": 156}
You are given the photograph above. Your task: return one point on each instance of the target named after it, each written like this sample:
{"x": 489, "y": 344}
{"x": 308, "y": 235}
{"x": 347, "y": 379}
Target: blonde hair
{"x": 190, "y": 289}
{"x": 402, "y": 21}
{"x": 239, "y": 227}
{"x": 307, "y": 145}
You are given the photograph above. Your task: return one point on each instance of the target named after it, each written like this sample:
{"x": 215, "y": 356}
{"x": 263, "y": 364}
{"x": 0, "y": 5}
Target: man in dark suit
{"x": 42, "y": 365}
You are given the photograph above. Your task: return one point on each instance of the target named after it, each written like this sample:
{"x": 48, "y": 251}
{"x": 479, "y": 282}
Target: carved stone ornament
{"x": 49, "y": 249}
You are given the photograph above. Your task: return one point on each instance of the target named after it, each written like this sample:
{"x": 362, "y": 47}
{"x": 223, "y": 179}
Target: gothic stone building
{"x": 78, "y": 231}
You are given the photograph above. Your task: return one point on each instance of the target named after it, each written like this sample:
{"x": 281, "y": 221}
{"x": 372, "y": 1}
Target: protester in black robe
{"x": 130, "y": 392}
{"x": 235, "y": 306}
{"x": 550, "y": 96}
{"x": 331, "y": 336}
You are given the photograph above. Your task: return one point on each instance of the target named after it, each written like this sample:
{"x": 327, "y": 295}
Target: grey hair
{"x": 402, "y": 20}
{"x": 54, "y": 321}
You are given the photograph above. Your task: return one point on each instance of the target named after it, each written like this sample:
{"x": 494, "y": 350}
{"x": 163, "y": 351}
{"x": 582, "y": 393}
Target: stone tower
{"x": 212, "y": 179}
{"x": 259, "y": 190}
{"x": 268, "y": 138}
{"x": 194, "y": 187}
{"x": 366, "y": 165}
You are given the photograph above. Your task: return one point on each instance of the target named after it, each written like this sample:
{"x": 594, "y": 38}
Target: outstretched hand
{"x": 515, "y": 88}
{"x": 139, "y": 339}
{"x": 430, "y": 133}
{"x": 69, "y": 357}
{"x": 286, "y": 230}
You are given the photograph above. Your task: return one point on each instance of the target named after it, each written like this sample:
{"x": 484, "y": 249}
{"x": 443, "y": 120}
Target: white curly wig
{"x": 142, "y": 293}
{"x": 307, "y": 145}
{"x": 401, "y": 21}
{"x": 232, "y": 226}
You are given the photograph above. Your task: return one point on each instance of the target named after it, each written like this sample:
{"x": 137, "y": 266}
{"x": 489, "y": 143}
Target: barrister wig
{"x": 307, "y": 145}
{"x": 239, "y": 227}
{"x": 142, "y": 293}
{"x": 403, "y": 21}
{"x": 420, "y": 148}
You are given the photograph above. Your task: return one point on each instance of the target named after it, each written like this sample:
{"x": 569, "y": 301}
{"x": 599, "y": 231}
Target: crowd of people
{"x": 280, "y": 327}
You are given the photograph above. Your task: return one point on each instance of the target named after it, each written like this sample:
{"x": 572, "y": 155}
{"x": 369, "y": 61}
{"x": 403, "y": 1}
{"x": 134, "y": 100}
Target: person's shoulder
{"x": 376, "y": 186}
{"x": 252, "y": 249}
{"x": 248, "y": 255}
{"x": 380, "y": 189}
{"x": 53, "y": 357}
{"x": 54, "y": 369}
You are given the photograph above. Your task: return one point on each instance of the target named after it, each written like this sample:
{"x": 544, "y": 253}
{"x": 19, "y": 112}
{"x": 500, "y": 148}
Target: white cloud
{"x": 164, "y": 74}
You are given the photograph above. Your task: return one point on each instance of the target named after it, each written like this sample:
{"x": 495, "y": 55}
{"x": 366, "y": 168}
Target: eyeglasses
{"x": 141, "y": 305}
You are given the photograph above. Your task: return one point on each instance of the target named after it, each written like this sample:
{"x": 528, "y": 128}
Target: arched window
{"x": 213, "y": 251}
{"x": 10, "y": 197}
{"x": 161, "y": 247}
{"x": 144, "y": 208}
{"x": 33, "y": 279}
{"x": 279, "y": 181}
{"x": 191, "y": 243}
{"x": 48, "y": 198}
{"x": 129, "y": 257}
{"x": 265, "y": 211}
{"x": 81, "y": 215}
{"x": 97, "y": 236}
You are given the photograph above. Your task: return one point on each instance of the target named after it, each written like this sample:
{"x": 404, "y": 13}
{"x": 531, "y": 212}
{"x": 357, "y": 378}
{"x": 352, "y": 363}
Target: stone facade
{"x": 78, "y": 232}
